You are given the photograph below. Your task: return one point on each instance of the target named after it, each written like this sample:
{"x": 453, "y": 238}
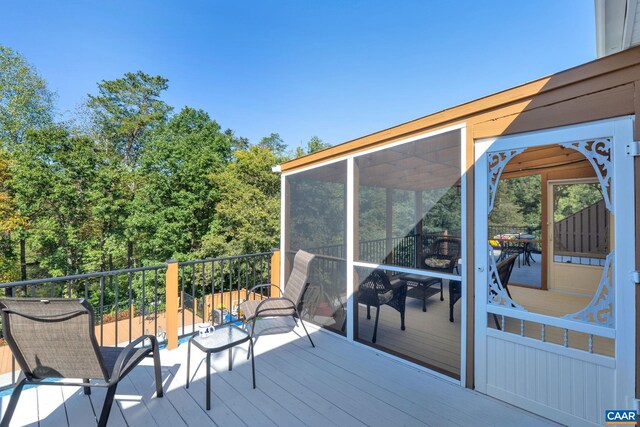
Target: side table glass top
{"x": 223, "y": 336}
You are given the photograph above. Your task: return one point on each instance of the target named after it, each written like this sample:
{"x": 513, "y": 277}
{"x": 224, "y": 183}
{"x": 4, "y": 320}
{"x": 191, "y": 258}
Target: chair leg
{"x": 368, "y": 312}
{"x": 87, "y": 390}
{"x": 441, "y": 294}
{"x": 12, "y": 403}
{"x": 424, "y": 298}
{"x": 253, "y": 328}
{"x": 495, "y": 319}
{"x": 375, "y": 327}
{"x": 106, "y": 407}
{"x": 156, "y": 368}
{"x": 402, "y": 320}
{"x": 451, "y": 302}
{"x": 188, "y": 362}
{"x": 253, "y": 365}
{"x": 305, "y": 328}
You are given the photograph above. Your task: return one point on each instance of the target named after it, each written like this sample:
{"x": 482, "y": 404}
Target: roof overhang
{"x": 615, "y": 26}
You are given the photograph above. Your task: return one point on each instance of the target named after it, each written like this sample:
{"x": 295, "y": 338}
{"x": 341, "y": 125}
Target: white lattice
{"x": 497, "y": 293}
{"x": 600, "y": 309}
{"x": 598, "y": 152}
{"x": 497, "y": 162}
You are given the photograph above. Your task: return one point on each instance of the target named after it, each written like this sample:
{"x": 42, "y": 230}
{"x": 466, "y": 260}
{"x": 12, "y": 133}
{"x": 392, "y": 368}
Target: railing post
{"x": 275, "y": 269}
{"x": 171, "y": 294}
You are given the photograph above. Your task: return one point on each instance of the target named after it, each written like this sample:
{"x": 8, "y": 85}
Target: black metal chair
{"x": 504, "y": 267}
{"x": 376, "y": 290}
{"x": 55, "y": 338}
{"x": 443, "y": 256}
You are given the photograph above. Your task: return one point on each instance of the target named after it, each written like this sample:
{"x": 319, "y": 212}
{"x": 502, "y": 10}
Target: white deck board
{"x": 336, "y": 383}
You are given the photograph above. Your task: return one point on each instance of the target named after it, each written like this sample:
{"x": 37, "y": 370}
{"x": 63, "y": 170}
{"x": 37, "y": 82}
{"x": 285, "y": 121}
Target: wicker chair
{"x": 55, "y": 338}
{"x": 376, "y": 290}
{"x": 504, "y": 267}
{"x": 443, "y": 256}
{"x": 284, "y": 306}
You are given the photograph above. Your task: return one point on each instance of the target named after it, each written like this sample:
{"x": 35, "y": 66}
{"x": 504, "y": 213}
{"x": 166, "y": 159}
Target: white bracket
{"x": 633, "y": 149}
{"x": 635, "y": 277}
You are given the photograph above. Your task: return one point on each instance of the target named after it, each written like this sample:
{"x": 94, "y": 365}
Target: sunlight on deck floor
{"x": 337, "y": 383}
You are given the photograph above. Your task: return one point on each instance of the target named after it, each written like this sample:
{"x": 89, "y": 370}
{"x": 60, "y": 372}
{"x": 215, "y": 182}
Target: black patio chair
{"x": 284, "y": 306}
{"x": 376, "y": 290}
{"x": 505, "y": 267}
{"x": 442, "y": 256}
{"x": 55, "y": 338}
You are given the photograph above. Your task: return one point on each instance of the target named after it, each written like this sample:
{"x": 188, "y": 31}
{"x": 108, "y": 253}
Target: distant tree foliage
{"x": 25, "y": 101}
{"x": 127, "y": 181}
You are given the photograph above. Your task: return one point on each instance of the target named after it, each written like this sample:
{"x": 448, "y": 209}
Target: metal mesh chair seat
{"x": 55, "y": 338}
{"x": 268, "y": 308}
{"x": 110, "y": 357}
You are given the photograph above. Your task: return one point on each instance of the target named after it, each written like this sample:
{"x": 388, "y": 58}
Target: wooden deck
{"x": 429, "y": 338}
{"x": 337, "y": 383}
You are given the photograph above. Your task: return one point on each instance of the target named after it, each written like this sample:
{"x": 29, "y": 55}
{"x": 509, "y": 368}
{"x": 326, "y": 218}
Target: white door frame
{"x": 621, "y": 130}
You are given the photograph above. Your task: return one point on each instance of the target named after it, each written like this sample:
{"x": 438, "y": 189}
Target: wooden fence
{"x": 585, "y": 233}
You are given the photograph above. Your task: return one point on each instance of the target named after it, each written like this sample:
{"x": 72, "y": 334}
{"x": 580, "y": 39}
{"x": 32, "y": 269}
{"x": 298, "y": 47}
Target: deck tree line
{"x": 127, "y": 181}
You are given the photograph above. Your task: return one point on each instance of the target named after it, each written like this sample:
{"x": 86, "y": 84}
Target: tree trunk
{"x": 130, "y": 254}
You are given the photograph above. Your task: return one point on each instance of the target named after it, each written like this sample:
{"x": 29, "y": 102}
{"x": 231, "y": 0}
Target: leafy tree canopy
{"x": 25, "y": 101}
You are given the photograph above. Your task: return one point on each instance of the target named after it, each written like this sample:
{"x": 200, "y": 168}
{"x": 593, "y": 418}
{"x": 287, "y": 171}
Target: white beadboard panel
{"x": 561, "y": 387}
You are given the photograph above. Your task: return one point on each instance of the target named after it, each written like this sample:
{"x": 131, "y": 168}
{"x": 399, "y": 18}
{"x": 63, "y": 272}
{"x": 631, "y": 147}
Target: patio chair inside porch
{"x": 442, "y": 257}
{"x": 376, "y": 290}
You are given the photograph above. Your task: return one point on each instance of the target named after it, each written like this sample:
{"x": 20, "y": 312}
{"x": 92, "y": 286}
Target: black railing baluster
{"x": 86, "y": 288}
{"x": 204, "y": 294}
{"x": 238, "y": 279}
{"x": 182, "y": 294}
{"x": 155, "y": 305}
{"x": 143, "y": 325}
{"x": 230, "y": 281}
{"x": 101, "y": 310}
{"x": 69, "y": 289}
{"x": 213, "y": 290}
{"x": 131, "y": 309}
{"x": 116, "y": 323}
{"x": 194, "y": 304}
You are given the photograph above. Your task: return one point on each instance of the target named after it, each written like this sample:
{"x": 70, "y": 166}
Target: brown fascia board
{"x": 589, "y": 70}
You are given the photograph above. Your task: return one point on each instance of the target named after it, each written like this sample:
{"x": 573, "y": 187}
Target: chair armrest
{"x": 263, "y": 285}
{"x": 128, "y": 350}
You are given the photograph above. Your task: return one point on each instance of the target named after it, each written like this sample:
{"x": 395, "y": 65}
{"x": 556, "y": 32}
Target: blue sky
{"x": 335, "y": 69}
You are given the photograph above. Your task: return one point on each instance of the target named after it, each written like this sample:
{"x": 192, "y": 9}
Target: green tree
{"x": 121, "y": 115}
{"x": 247, "y": 214}
{"x": 176, "y": 201}
{"x": 125, "y": 109}
{"x": 25, "y": 101}
{"x": 53, "y": 178}
{"x": 313, "y": 145}
{"x": 273, "y": 143}
{"x": 10, "y": 222}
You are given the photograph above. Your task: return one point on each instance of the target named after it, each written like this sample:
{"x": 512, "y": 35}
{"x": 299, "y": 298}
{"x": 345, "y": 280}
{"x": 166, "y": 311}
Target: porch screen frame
{"x": 351, "y": 234}
{"x": 620, "y": 129}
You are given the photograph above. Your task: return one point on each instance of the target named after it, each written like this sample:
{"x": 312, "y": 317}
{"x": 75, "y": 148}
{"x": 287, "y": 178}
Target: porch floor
{"x": 337, "y": 383}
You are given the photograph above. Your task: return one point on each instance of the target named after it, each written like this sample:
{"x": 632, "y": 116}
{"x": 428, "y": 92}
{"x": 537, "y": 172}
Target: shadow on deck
{"x": 337, "y": 383}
